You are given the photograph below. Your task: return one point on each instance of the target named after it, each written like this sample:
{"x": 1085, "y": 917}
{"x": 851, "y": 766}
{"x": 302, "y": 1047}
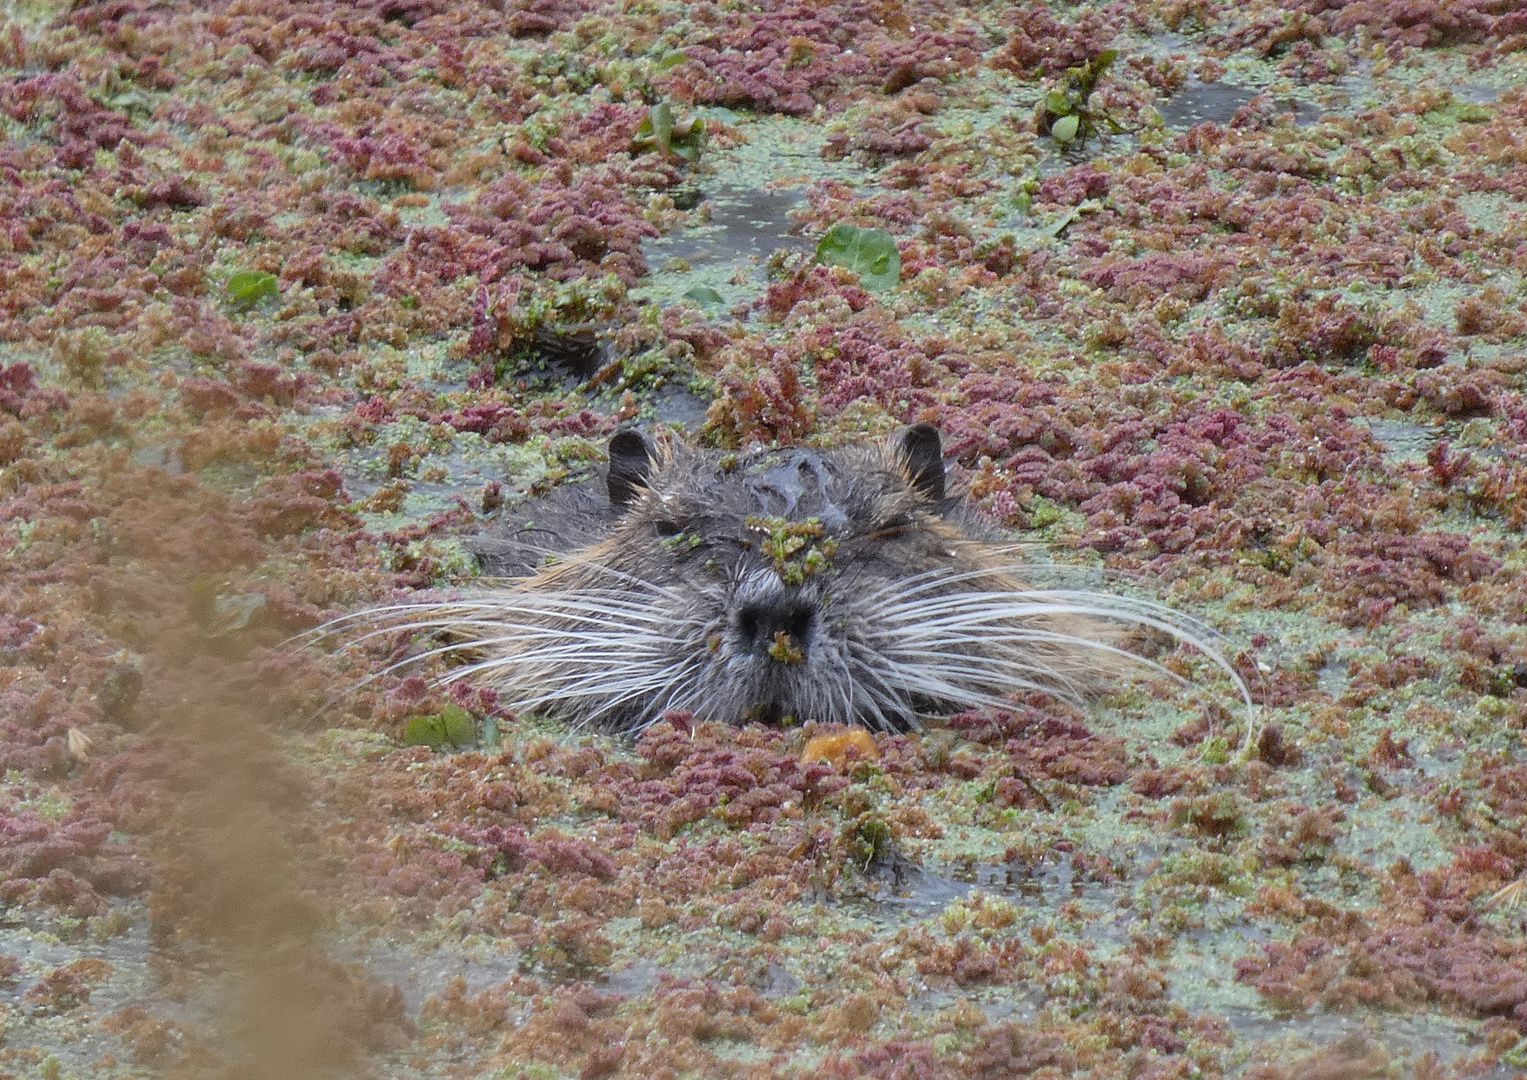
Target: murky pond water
{"x": 1217, "y": 102}
{"x": 1403, "y": 1036}
{"x": 1203, "y": 103}
{"x": 1402, "y": 439}
{"x": 421, "y": 974}
{"x": 745, "y": 223}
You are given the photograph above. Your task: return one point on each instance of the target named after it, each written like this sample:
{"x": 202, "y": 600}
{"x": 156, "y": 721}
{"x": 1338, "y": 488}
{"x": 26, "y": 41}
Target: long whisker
{"x": 935, "y": 611}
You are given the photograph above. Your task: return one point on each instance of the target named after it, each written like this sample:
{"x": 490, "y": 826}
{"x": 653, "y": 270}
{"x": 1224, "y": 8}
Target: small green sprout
{"x": 873, "y": 840}
{"x": 785, "y": 650}
{"x": 681, "y": 138}
{"x": 1516, "y": 1057}
{"x": 685, "y": 540}
{"x": 1064, "y": 114}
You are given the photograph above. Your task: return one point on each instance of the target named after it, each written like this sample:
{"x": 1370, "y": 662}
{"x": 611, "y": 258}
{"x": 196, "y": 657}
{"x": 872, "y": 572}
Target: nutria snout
{"x": 834, "y": 585}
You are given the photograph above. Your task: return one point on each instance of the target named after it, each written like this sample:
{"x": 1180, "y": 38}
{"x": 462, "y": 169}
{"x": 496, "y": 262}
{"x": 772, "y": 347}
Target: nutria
{"x": 835, "y": 585}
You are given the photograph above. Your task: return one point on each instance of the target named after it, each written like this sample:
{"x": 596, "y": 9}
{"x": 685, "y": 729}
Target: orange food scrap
{"x": 854, "y": 744}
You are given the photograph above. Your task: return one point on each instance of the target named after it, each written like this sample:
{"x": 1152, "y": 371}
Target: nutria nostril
{"x": 760, "y": 624}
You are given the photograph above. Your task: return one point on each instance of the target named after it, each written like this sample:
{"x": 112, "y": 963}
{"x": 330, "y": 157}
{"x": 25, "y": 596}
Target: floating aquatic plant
{"x": 249, "y": 287}
{"x": 1066, "y": 113}
{"x": 681, "y": 137}
{"x": 451, "y": 728}
{"x": 1270, "y": 367}
{"x": 870, "y": 253}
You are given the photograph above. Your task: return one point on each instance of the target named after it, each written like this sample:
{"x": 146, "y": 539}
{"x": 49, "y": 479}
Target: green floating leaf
{"x": 1060, "y": 226}
{"x": 252, "y": 286}
{"x": 450, "y": 729}
{"x": 871, "y": 253}
{"x": 459, "y": 725}
{"x": 682, "y": 138}
{"x": 704, "y": 294}
{"x": 660, "y": 117}
{"x": 671, "y": 60}
{"x": 689, "y": 145}
{"x": 424, "y": 731}
{"x": 1064, "y": 130}
{"x": 130, "y": 100}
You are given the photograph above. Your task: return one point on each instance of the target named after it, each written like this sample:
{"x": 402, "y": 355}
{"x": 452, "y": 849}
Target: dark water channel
{"x": 746, "y": 225}
{"x": 1217, "y": 102}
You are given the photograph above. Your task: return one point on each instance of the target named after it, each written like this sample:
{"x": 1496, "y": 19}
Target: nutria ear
{"x": 630, "y": 464}
{"x": 921, "y": 451}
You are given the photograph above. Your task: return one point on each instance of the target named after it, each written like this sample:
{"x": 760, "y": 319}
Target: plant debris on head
{"x": 791, "y": 584}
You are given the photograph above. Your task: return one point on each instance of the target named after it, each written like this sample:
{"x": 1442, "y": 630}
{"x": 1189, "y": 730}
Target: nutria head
{"x": 776, "y": 564}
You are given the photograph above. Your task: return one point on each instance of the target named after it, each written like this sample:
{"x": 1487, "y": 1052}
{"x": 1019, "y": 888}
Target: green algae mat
{"x": 1220, "y": 304}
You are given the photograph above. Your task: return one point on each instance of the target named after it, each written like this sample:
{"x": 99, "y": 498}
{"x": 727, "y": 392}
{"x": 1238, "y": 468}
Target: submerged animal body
{"x": 833, "y": 585}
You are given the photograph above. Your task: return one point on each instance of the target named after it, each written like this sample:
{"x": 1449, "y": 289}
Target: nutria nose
{"x": 760, "y": 625}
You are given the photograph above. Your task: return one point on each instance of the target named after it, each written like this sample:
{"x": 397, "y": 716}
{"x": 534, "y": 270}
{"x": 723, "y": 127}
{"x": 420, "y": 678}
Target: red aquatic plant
{"x": 1039, "y": 44}
{"x": 761, "y": 397}
{"x": 1377, "y": 571}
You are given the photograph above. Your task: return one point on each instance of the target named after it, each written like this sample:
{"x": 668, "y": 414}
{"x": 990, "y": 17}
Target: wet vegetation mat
{"x": 1220, "y": 303}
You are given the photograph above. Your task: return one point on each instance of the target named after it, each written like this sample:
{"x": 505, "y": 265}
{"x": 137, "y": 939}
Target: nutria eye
{"x": 667, "y": 528}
